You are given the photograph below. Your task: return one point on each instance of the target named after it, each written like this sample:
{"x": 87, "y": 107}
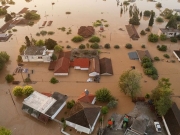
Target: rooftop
{"x": 132, "y": 32}
{"x": 82, "y": 62}
{"x": 106, "y": 66}
{"x": 142, "y": 54}
{"x": 35, "y": 50}
{"x": 39, "y": 102}
{"x": 86, "y": 31}
{"x": 164, "y": 30}
{"x": 177, "y": 53}
{"x": 62, "y": 65}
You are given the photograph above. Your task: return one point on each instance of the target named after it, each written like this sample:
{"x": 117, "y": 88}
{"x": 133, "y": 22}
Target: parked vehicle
{"x": 157, "y": 126}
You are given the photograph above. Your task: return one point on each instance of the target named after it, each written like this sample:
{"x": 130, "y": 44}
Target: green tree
{"x": 9, "y": 78}
{"x": 159, "y": 5}
{"x": 40, "y": 43}
{"x": 172, "y": 22}
{"x": 32, "y": 16}
{"x": 70, "y": 104}
{"x": 135, "y": 19}
{"x": 3, "y": 11}
{"x": 82, "y": 46}
{"x": 94, "y": 39}
{"x": 27, "y": 90}
{"x": 77, "y": 39}
{"x": 151, "y": 21}
{"x": 103, "y": 95}
{"x": 4, "y": 57}
{"x": 4, "y": 131}
{"x": 19, "y": 59}
{"x": 104, "y": 110}
{"x": 22, "y": 48}
{"x": 167, "y": 13}
{"x": 50, "y": 43}
{"x": 54, "y": 80}
{"x": 28, "y": 43}
{"x": 161, "y": 96}
{"x": 163, "y": 37}
{"x": 147, "y": 13}
{"x": 153, "y": 38}
{"x": 58, "y": 48}
{"x": 7, "y": 17}
{"x": 18, "y": 91}
{"x": 129, "y": 83}
{"x": 112, "y": 104}
{"x": 159, "y": 19}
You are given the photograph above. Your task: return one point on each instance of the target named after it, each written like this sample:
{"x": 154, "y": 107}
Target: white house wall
{"x": 61, "y": 74}
{"x": 78, "y": 127}
{"x": 35, "y": 58}
{"x": 78, "y": 67}
{"x": 92, "y": 128}
{"x": 106, "y": 74}
{"x": 176, "y": 56}
{"x": 94, "y": 100}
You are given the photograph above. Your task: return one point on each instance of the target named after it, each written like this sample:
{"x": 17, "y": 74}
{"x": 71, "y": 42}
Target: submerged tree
{"x": 28, "y": 43}
{"x": 129, "y": 83}
{"x": 151, "y": 21}
{"x": 4, "y": 131}
{"x": 161, "y": 96}
{"x": 135, "y": 19}
{"x": 172, "y": 22}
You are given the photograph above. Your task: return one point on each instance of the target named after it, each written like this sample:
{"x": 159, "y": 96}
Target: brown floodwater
{"x": 83, "y": 13}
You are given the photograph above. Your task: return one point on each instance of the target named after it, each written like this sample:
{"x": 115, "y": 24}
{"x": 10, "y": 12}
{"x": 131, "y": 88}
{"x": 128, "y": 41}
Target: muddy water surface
{"x": 83, "y": 13}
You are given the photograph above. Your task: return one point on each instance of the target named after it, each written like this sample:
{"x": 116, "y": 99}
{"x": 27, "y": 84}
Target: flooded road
{"x": 83, "y": 13}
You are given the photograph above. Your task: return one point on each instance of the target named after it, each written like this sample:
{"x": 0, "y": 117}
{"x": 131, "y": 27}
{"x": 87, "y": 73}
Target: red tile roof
{"x": 86, "y": 98}
{"x": 82, "y": 62}
{"x": 62, "y": 65}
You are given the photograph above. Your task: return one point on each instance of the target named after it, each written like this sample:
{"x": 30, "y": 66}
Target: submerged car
{"x": 157, "y": 126}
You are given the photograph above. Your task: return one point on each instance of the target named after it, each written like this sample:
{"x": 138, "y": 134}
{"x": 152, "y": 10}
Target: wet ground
{"x": 82, "y": 13}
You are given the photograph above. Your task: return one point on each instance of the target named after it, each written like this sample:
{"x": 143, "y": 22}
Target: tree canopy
{"x": 135, "y": 19}
{"x": 129, "y": 83}
{"x": 58, "y": 48}
{"x": 31, "y": 16}
{"x": 4, "y": 57}
{"x": 4, "y": 131}
{"x": 172, "y": 22}
{"x": 103, "y": 95}
{"x": 50, "y": 43}
{"x": 151, "y": 21}
{"x": 161, "y": 96}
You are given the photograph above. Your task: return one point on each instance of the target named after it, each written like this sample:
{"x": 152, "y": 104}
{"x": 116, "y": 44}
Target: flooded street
{"x": 83, "y": 13}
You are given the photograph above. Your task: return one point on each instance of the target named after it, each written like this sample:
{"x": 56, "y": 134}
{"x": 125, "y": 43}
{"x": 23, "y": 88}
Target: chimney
{"x": 86, "y": 92}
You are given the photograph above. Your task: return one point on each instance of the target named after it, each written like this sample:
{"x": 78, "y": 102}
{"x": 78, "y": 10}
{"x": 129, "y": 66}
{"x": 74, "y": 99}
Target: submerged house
{"x": 83, "y": 117}
{"x": 86, "y": 31}
{"x": 94, "y": 68}
{"x": 44, "y": 107}
{"x": 37, "y": 54}
{"x": 177, "y": 54}
{"x": 4, "y": 37}
{"x": 132, "y": 32}
{"x": 172, "y": 119}
{"x": 87, "y": 97}
{"x": 81, "y": 63}
{"x": 169, "y": 32}
{"x": 105, "y": 66}
{"x": 141, "y": 54}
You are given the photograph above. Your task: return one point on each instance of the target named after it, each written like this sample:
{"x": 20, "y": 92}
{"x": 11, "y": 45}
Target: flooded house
{"x": 87, "y": 97}
{"x": 81, "y": 63}
{"x": 106, "y": 66}
{"x": 44, "y": 107}
{"x": 83, "y": 117}
{"x": 37, "y": 54}
{"x": 177, "y": 54}
{"x": 169, "y": 32}
{"x": 94, "y": 68}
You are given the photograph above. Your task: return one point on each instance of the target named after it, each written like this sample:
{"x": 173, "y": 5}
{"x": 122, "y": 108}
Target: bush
{"x": 150, "y": 71}
{"x": 173, "y": 39}
{"x": 162, "y": 48}
{"x": 159, "y": 19}
{"x": 156, "y": 58}
{"x": 126, "y": 3}
{"x": 70, "y": 104}
{"x": 19, "y": 59}
{"x": 50, "y": 32}
{"x": 9, "y": 78}
{"x": 147, "y": 96}
{"x": 31, "y": 16}
{"x": 104, "y": 110}
{"x": 94, "y": 46}
{"x": 158, "y": 5}
{"x": 153, "y": 38}
{"x": 54, "y": 57}
{"x": 54, "y": 80}
{"x": 147, "y": 29}
{"x": 58, "y": 48}
{"x": 116, "y": 46}
{"x": 43, "y": 32}
{"x": 94, "y": 39}
{"x": 107, "y": 46}
{"x": 143, "y": 32}
{"x": 38, "y": 34}
{"x": 154, "y": 77}
{"x": 68, "y": 46}
{"x": 18, "y": 91}
{"x": 27, "y": 80}
{"x": 147, "y": 64}
{"x": 166, "y": 56}
{"x": 112, "y": 104}
{"x": 77, "y": 39}
{"x": 128, "y": 46}
{"x": 103, "y": 95}
{"x": 143, "y": 46}
{"x": 28, "y": 90}
{"x": 163, "y": 37}
{"x": 4, "y": 131}
{"x": 82, "y": 46}
{"x": 147, "y": 13}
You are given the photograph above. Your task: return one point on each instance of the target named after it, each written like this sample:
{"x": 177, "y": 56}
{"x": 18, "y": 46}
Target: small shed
{"x": 106, "y": 66}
